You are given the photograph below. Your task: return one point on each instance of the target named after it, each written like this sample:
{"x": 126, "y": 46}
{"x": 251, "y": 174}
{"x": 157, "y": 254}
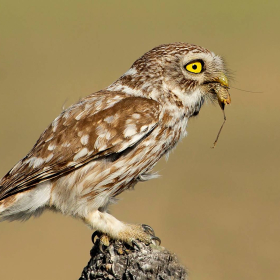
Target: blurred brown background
{"x": 218, "y": 210}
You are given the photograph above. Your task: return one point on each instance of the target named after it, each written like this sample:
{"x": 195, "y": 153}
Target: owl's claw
{"x": 156, "y": 239}
{"x": 94, "y": 235}
{"x": 136, "y": 244}
{"x": 148, "y": 229}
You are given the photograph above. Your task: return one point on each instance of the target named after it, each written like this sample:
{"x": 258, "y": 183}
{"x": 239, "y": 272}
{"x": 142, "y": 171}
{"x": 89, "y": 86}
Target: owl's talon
{"x": 104, "y": 239}
{"x": 94, "y": 235}
{"x": 135, "y": 244}
{"x": 156, "y": 239}
{"x": 148, "y": 229}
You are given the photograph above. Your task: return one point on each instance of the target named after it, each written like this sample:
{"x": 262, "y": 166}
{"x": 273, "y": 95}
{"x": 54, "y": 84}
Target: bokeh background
{"x": 218, "y": 210}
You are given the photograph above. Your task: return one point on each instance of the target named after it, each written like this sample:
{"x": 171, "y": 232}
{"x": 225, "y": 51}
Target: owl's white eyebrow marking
{"x": 130, "y": 130}
{"x": 84, "y": 139}
{"x": 51, "y": 147}
{"x": 80, "y": 154}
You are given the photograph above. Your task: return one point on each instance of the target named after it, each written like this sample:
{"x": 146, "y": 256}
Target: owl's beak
{"x": 222, "y": 79}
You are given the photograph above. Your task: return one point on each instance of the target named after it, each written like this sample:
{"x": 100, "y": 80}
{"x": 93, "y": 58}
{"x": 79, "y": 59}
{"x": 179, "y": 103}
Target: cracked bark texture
{"x": 121, "y": 261}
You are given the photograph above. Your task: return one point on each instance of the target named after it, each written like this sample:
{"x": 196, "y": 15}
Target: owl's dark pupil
{"x": 194, "y": 67}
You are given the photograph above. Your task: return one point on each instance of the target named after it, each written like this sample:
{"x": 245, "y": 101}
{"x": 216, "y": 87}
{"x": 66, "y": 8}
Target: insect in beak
{"x": 221, "y": 89}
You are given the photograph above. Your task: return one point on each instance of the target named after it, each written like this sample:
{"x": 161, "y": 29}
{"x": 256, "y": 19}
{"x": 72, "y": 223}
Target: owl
{"x": 112, "y": 139}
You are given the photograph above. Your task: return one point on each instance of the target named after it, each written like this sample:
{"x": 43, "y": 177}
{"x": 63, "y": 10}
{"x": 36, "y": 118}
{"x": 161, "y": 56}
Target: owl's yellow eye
{"x": 194, "y": 67}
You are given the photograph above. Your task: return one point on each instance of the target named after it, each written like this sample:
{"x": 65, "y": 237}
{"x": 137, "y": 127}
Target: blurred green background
{"x": 218, "y": 210}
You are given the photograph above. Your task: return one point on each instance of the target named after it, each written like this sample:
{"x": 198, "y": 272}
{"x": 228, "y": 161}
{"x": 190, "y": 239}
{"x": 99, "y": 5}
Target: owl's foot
{"x": 132, "y": 236}
{"x": 115, "y": 229}
{"x": 143, "y": 233}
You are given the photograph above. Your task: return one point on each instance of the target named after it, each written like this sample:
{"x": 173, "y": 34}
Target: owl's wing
{"x": 99, "y": 125}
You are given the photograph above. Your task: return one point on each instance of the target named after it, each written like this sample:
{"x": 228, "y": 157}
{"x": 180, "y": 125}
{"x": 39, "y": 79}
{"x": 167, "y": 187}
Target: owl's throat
{"x": 196, "y": 108}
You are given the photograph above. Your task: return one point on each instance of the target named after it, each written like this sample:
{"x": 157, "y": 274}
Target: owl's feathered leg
{"x": 116, "y": 229}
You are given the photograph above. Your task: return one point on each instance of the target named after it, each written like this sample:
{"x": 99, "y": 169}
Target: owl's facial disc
{"x": 207, "y": 70}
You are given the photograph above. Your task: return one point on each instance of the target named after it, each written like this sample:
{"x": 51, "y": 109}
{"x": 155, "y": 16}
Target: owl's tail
{"x": 23, "y": 205}
{"x": 10, "y": 208}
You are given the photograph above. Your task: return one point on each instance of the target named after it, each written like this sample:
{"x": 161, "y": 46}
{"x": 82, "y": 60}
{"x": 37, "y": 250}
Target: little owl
{"x": 111, "y": 139}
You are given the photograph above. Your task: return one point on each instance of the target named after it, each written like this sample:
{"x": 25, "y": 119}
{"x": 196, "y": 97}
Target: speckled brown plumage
{"x": 110, "y": 140}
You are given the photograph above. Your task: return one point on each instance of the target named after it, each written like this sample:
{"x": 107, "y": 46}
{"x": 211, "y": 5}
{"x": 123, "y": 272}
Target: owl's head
{"x": 191, "y": 73}
{"x": 189, "y": 69}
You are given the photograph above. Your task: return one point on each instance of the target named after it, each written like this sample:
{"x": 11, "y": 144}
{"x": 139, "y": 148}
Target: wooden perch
{"x": 121, "y": 261}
